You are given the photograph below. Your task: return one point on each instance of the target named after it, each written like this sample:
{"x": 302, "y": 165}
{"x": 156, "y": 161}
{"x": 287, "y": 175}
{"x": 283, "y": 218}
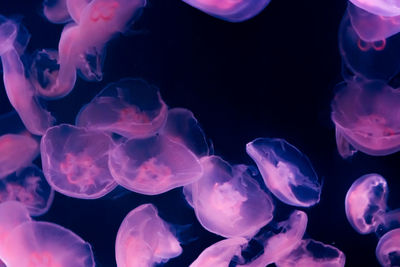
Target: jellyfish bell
{"x": 287, "y": 172}
{"x": 388, "y": 249}
{"x": 144, "y": 239}
{"x": 56, "y": 11}
{"x": 379, "y": 7}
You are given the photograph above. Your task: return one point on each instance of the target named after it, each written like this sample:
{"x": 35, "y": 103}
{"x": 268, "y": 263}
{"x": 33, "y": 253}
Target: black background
{"x": 271, "y": 76}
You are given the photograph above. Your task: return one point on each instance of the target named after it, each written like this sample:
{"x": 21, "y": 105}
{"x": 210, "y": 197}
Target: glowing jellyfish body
{"x": 287, "y": 172}
{"x": 221, "y": 253}
{"x": 153, "y": 165}
{"x": 29, "y": 187}
{"x": 365, "y": 116}
{"x": 387, "y": 8}
{"x": 388, "y": 249}
{"x": 16, "y": 152}
{"x": 144, "y": 239}
{"x": 313, "y": 253}
{"x": 230, "y": 10}
{"x": 19, "y": 89}
{"x": 46, "y": 244}
{"x": 56, "y": 11}
{"x": 130, "y": 107}
{"x": 228, "y": 201}
{"x": 75, "y": 161}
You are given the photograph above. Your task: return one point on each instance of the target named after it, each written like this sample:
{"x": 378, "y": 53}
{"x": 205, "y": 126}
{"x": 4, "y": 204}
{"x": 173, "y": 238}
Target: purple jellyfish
{"x": 131, "y": 108}
{"x": 287, "y": 172}
{"x": 75, "y": 161}
{"x": 228, "y": 201}
{"x": 144, "y": 239}
{"x": 153, "y": 165}
{"x": 388, "y": 249}
{"x": 230, "y": 10}
{"x": 56, "y": 11}
{"x": 387, "y": 8}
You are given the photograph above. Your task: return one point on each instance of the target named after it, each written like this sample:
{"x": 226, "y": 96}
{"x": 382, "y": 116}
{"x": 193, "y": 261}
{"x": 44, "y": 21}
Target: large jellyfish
{"x": 82, "y": 45}
{"x": 388, "y": 249}
{"x": 144, "y": 239}
{"x": 228, "y": 201}
{"x": 29, "y": 187}
{"x": 287, "y": 172}
{"x": 366, "y": 116}
{"x": 46, "y": 244}
{"x": 75, "y": 161}
{"x": 130, "y": 107}
{"x": 387, "y": 8}
{"x": 153, "y": 165}
{"x": 230, "y": 10}
{"x": 20, "y": 92}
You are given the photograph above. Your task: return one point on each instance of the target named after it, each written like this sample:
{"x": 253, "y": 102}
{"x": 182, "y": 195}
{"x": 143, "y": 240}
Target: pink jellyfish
{"x": 63, "y": 11}
{"x": 221, "y": 253}
{"x": 230, "y": 10}
{"x": 287, "y": 172}
{"x": 365, "y": 116}
{"x": 228, "y": 201}
{"x": 75, "y": 161}
{"x": 131, "y": 108}
{"x": 388, "y": 249}
{"x": 387, "y": 8}
{"x": 29, "y": 187}
{"x": 20, "y": 92}
{"x": 46, "y": 244}
{"x": 144, "y": 239}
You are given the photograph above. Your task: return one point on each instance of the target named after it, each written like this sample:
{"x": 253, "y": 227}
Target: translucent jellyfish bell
{"x": 365, "y": 116}
{"x": 56, "y": 11}
{"x": 228, "y": 201}
{"x": 130, "y": 107}
{"x": 230, "y": 10}
{"x": 46, "y": 244}
{"x": 221, "y": 253}
{"x": 75, "y": 161}
{"x": 366, "y": 203}
{"x": 28, "y": 186}
{"x": 287, "y": 172}
{"x": 153, "y": 165}
{"x": 379, "y": 7}
{"x": 388, "y": 249}
{"x": 144, "y": 239}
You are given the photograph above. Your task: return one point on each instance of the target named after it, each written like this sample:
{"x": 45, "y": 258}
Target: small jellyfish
{"x": 153, "y": 165}
{"x": 221, "y": 253}
{"x": 131, "y": 108}
{"x": 182, "y": 127}
{"x": 387, "y": 8}
{"x": 287, "y": 172}
{"x": 19, "y": 89}
{"x": 56, "y": 11}
{"x": 374, "y": 59}
{"x": 365, "y": 114}
{"x": 228, "y": 201}
{"x": 388, "y": 249}
{"x": 365, "y": 203}
{"x": 46, "y": 244}
{"x": 75, "y": 161}
{"x": 230, "y": 10}
{"x": 16, "y": 152}
{"x": 28, "y": 186}
{"x": 144, "y": 239}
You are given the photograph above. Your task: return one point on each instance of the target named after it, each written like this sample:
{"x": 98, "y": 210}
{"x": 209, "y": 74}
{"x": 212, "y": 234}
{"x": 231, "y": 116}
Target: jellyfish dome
{"x": 287, "y": 172}
{"x": 144, "y": 239}
{"x": 75, "y": 161}
{"x": 46, "y": 244}
{"x": 387, "y": 8}
{"x": 388, "y": 249}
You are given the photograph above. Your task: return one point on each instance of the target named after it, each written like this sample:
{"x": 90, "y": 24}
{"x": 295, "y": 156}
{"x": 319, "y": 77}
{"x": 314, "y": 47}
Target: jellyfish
{"x": 75, "y": 161}
{"x": 144, "y": 239}
{"x": 20, "y": 92}
{"x": 230, "y": 10}
{"x": 131, "y": 108}
{"x": 46, "y": 244}
{"x": 387, "y": 8}
{"x": 366, "y": 117}
{"x": 371, "y": 58}
{"x": 153, "y": 165}
{"x": 228, "y": 201}
{"x": 82, "y": 45}
{"x": 287, "y": 172}
{"x": 16, "y": 151}
{"x": 63, "y": 11}
{"x": 388, "y": 249}
{"x": 221, "y": 253}
{"x": 28, "y": 186}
